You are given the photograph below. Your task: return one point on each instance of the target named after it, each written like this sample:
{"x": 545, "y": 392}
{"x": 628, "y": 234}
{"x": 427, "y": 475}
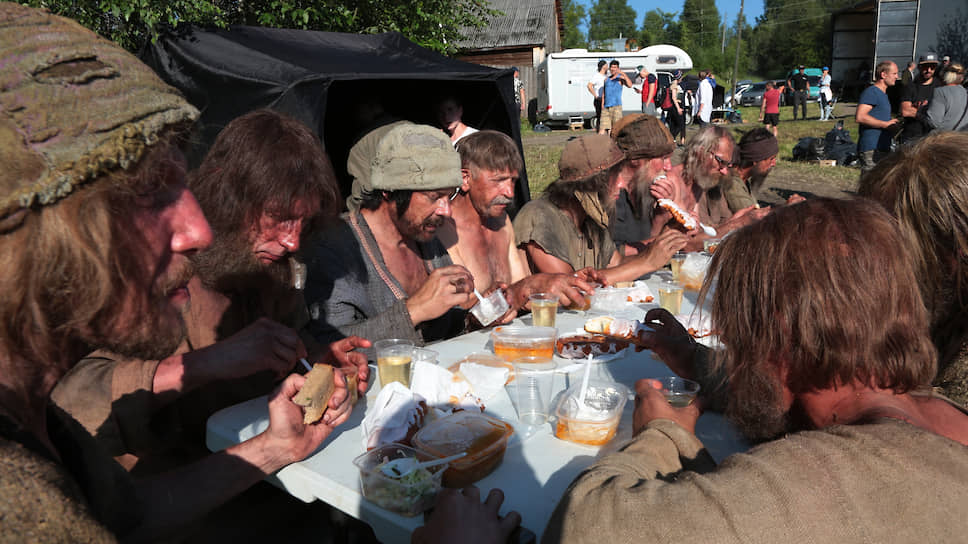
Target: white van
{"x": 563, "y": 79}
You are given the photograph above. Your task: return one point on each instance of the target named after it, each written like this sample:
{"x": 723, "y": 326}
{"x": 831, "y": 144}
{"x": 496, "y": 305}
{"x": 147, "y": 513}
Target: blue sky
{"x": 730, "y": 8}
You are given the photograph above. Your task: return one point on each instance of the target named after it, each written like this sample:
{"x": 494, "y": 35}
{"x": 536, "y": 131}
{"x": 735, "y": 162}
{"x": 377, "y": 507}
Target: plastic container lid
{"x": 518, "y": 334}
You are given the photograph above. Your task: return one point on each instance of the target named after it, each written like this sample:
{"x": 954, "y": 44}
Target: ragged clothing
{"x": 882, "y": 482}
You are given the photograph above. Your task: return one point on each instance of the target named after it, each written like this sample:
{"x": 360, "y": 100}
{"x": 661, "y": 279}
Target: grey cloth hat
{"x": 73, "y": 107}
{"x": 402, "y": 156}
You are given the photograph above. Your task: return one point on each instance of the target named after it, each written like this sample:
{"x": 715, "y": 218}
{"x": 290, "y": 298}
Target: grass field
{"x": 542, "y": 151}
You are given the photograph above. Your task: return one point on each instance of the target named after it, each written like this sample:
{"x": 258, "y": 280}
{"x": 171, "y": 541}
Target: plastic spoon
{"x": 306, "y": 364}
{"x": 398, "y": 468}
{"x": 708, "y": 230}
{"x": 584, "y": 380}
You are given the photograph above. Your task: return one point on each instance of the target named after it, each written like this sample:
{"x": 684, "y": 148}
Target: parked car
{"x": 753, "y": 96}
{"x": 741, "y": 87}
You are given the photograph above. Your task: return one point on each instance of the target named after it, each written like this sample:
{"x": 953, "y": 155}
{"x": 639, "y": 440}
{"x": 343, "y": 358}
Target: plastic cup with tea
{"x": 676, "y": 263}
{"x": 544, "y": 307}
{"x": 679, "y": 392}
{"x": 394, "y": 360}
{"x": 670, "y": 297}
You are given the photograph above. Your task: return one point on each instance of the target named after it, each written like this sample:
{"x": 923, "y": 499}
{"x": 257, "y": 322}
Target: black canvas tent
{"x": 340, "y": 85}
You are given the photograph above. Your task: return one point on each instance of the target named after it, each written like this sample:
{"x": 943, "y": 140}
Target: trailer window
{"x": 666, "y": 59}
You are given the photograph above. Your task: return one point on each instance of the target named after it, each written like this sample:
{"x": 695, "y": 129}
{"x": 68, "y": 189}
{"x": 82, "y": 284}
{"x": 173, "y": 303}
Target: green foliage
{"x": 435, "y": 24}
{"x": 660, "y": 27}
{"x": 574, "y": 16}
{"x": 611, "y": 19}
{"x": 700, "y": 26}
{"x": 792, "y": 32}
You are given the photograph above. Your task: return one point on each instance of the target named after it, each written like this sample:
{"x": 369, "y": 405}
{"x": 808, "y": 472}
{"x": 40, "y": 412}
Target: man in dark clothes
{"x": 801, "y": 90}
{"x": 916, "y": 96}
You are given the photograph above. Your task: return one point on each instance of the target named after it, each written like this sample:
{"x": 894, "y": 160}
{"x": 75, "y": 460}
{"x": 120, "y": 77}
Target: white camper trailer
{"x": 563, "y": 78}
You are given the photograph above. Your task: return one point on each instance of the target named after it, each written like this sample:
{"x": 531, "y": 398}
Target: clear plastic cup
{"x": 595, "y": 421}
{"x": 670, "y": 297}
{"x": 676, "y": 264}
{"x": 544, "y": 308}
{"x": 680, "y": 392}
{"x": 490, "y": 307}
{"x": 533, "y": 384}
{"x": 394, "y": 360}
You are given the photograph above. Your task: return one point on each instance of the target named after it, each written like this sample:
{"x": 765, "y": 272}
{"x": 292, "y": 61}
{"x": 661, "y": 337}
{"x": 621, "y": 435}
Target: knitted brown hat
{"x": 588, "y": 155}
{"x": 643, "y": 136}
{"x": 73, "y": 107}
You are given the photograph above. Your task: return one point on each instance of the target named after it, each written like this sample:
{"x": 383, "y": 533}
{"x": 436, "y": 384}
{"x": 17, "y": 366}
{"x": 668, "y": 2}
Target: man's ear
{"x": 465, "y": 176}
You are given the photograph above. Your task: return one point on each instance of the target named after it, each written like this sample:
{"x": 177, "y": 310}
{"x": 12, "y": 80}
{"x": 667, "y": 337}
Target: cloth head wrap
{"x": 751, "y": 152}
{"x": 586, "y": 156}
{"x": 643, "y": 136}
{"x": 400, "y": 156}
{"x": 73, "y": 107}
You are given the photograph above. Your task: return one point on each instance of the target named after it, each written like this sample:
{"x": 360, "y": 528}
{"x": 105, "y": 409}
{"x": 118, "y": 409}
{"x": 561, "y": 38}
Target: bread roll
{"x": 316, "y": 392}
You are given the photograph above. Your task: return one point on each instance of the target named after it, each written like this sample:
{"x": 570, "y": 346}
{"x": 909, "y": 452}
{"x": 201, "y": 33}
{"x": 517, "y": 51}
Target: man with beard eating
{"x": 567, "y": 228}
{"x": 261, "y": 184}
{"x": 96, "y": 230}
{"x": 855, "y": 447}
{"x": 758, "y": 150}
{"x": 698, "y": 184}
{"x": 381, "y": 272}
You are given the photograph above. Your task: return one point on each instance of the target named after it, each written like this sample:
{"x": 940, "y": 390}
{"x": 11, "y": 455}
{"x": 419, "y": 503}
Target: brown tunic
{"x": 882, "y": 482}
{"x": 543, "y": 223}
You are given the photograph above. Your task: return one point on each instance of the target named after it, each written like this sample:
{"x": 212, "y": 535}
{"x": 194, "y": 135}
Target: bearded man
{"x": 698, "y": 182}
{"x": 96, "y": 230}
{"x": 566, "y": 229}
{"x": 854, "y": 443}
{"x": 261, "y": 185}
{"x": 381, "y": 272}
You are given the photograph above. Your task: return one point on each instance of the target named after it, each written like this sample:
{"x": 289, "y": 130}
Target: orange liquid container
{"x": 586, "y": 432}
{"x": 484, "y": 438}
{"x": 515, "y": 342}
{"x": 596, "y": 421}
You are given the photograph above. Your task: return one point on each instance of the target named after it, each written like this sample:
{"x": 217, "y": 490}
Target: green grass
{"x": 541, "y": 158}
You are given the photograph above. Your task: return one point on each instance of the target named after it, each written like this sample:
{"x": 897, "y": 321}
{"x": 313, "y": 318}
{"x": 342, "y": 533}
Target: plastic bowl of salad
{"x": 410, "y": 495}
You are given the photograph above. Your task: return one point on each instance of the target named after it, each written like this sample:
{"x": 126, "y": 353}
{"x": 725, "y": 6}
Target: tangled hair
{"x": 954, "y": 73}
{"x": 263, "y": 161}
{"x": 69, "y": 265}
{"x": 699, "y": 146}
{"x": 489, "y": 150}
{"x": 400, "y": 197}
{"x": 929, "y": 198}
{"x": 827, "y": 290}
{"x": 561, "y": 193}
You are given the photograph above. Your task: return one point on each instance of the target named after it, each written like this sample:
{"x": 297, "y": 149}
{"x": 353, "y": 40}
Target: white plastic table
{"x": 536, "y": 469}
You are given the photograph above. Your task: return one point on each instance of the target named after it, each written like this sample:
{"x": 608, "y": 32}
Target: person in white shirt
{"x": 595, "y": 86}
{"x": 704, "y": 99}
{"x": 826, "y": 97}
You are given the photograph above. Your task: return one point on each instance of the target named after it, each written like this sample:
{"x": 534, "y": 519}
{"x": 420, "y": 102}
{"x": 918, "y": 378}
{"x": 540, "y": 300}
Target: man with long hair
{"x": 929, "y": 198}
{"x": 827, "y": 354}
{"x": 265, "y": 180}
{"x": 698, "y": 183}
{"x": 381, "y": 272}
{"x": 97, "y": 228}
{"x": 566, "y": 230}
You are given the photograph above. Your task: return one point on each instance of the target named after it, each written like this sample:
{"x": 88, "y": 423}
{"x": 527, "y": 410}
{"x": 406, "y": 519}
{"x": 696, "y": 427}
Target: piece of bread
{"x": 613, "y": 327}
{"x": 316, "y": 392}
{"x": 351, "y": 387}
{"x": 680, "y": 215}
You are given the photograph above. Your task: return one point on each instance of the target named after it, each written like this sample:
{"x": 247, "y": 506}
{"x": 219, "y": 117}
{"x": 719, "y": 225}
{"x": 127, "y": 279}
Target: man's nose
{"x": 190, "y": 229}
{"x": 507, "y": 188}
{"x": 443, "y": 207}
{"x": 290, "y": 240}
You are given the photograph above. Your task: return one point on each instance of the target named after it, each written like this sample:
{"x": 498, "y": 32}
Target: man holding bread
{"x": 97, "y": 227}
{"x": 244, "y": 318}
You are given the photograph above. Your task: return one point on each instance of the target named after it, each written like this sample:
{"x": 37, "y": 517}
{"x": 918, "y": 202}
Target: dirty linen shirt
{"x": 713, "y": 208}
{"x": 738, "y": 194}
{"x": 625, "y": 227}
{"x": 84, "y": 497}
{"x": 546, "y": 225}
{"x": 881, "y": 482}
{"x": 346, "y": 295}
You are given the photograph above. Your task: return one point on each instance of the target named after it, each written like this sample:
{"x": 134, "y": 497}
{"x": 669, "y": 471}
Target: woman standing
{"x": 673, "y": 110}
{"x": 826, "y": 97}
{"x": 948, "y": 109}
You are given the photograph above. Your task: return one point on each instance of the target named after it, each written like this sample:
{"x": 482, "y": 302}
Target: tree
{"x": 700, "y": 25}
{"x": 659, "y": 27}
{"x": 574, "y": 16}
{"x": 435, "y": 24}
{"x": 611, "y": 19}
{"x": 951, "y": 37}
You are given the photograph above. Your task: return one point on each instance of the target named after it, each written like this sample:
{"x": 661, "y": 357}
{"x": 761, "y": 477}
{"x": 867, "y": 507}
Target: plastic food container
{"x": 483, "y": 437}
{"x": 408, "y": 496}
{"x": 595, "y": 422}
{"x": 515, "y": 342}
{"x": 610, "y": 299}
